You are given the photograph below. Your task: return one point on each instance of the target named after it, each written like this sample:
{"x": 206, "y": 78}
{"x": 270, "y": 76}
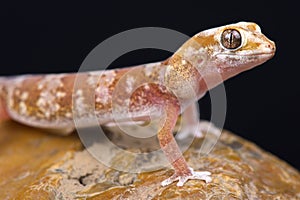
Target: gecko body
{"x": 161, "y": 90}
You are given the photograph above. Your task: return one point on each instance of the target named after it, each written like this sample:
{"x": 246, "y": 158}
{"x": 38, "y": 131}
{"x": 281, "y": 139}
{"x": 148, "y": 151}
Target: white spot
{"x": 146, "y": 87}
{"x": 22, "y": 108}
{"x": 24, "y": 96}
{"x": 41, "y": 102}
{"x": 183, "y": 62}
{"x": 140, "y": 99}
{"x": 93, "y": 77}
{"x": 91, "y": 80}
{"x": 102, "y": 95}
{"x": 68, "y": 115}
{"x": 56, "y": 107}
{"x": 129, "y": 84}
{"x": 79, "y": 93}
{"x": 60, "y": 94}
{"x": 40, "y": 86}
{"x": 47, "y": 114}
{"x": 95, "y": 73}
{"x": 80, "y": 106}
{"x": 47, "y": 101}
{"x": 98, "y": 100}
{"x": 110, "y": 76}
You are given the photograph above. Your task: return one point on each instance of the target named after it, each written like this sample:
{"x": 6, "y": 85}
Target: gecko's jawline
{"x": 246, "y": 55}
{"x": 246, "y": 58}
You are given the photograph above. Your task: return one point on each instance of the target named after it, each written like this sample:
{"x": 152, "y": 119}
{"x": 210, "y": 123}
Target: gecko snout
{"x": 269, "y": 47}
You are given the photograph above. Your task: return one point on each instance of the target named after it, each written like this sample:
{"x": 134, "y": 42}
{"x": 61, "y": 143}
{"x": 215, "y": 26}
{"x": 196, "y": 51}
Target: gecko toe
{"x": 201, "y": 175}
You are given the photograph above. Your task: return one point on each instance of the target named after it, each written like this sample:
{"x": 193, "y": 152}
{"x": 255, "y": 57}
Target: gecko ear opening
{"x": 231, "y": 39}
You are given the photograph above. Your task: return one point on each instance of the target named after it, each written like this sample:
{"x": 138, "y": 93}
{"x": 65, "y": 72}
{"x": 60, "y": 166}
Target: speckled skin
{"x": 165, "y": 89}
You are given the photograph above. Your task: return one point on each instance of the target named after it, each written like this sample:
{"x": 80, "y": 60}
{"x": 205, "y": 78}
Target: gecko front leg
{"x": 170, "y": 148}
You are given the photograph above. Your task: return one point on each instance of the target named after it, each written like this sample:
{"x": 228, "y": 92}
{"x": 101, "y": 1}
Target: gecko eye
{"x": 231, "y": 39}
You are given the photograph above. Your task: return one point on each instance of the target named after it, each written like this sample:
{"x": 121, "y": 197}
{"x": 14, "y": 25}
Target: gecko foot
{"x": 203, "y": 175}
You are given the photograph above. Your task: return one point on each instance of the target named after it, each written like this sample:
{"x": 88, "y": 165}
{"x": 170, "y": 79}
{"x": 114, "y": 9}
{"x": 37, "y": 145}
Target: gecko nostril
{"x": 271, "y": 47}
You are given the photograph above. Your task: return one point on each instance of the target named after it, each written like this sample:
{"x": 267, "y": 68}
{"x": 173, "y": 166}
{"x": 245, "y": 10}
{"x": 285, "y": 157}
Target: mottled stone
{"x": 37, "y": 165}
{"x": 30, "y": 160}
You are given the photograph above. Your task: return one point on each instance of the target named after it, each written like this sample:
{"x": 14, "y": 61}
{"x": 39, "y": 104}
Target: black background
{"x": 263, "y": 104}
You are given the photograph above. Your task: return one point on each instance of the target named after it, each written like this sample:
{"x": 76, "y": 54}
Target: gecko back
{"x": 52, "y": 101}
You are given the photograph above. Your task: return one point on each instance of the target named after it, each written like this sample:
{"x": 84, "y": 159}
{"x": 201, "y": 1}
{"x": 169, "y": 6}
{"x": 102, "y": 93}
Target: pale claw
{"x": 203, "y": 175}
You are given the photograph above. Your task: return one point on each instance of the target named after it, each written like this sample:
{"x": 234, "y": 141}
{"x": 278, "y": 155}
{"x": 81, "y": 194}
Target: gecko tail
{"x": 3, "y": 111}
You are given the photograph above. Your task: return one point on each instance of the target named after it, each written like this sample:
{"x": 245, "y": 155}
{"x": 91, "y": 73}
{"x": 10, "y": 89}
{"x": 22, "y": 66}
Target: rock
{"x": 37, "y": 165}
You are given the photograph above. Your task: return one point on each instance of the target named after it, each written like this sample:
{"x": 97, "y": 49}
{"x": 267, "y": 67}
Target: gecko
{"x": 166, "y": 89}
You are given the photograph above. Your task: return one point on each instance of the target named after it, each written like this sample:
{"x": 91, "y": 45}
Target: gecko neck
{"x": 192, "y": 72}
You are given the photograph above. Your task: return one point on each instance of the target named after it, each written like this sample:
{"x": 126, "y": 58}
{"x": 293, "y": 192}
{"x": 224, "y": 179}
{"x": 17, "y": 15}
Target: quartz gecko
{"x": 164, "y": 89}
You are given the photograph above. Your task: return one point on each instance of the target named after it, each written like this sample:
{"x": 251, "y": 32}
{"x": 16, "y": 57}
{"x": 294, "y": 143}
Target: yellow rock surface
{"x": 38, "y": 165}
{"x": 27, "y": 161}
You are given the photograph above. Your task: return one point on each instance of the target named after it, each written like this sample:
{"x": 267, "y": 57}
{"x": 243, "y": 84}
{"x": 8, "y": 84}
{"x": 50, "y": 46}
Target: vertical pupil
{"x": 231, "y": 39}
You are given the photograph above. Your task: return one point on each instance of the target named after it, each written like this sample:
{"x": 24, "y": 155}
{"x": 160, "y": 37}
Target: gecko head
{"x": 216, "y": 54}
{"x": 236, "y": 47}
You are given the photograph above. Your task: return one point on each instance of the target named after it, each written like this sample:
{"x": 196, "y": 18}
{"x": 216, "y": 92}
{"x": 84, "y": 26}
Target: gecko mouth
{"x": 229, "y": 61}
{"x": 260, "y": 56}
{"x": 271, "y": 53}
{"x": 246, "y": 57}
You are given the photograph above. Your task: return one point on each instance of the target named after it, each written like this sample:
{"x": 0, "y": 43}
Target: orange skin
{"x": 3, "y": 114}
